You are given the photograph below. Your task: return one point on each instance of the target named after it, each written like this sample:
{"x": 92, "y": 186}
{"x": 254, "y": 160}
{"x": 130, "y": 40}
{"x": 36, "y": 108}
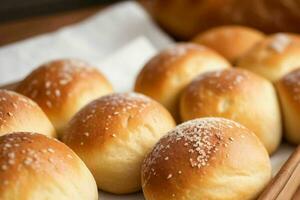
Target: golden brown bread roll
{"x": 208, "y": 158}
{"x": 273, "y": 57}
{"x": 19, "y": 113}
{"x": 34, "y": 167}
{"x": 113, "y": 134}
{"x": 62, "y": 87}
{"x": 238, "y": 95}
{"x": 230, "y": 41}
{"x": 186, "y": 18}
{"x": 167, "y": 73}
{"x": 289, "y": 92}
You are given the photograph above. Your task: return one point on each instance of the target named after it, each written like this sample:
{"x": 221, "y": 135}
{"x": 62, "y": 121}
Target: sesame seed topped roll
{"x": 19, "y": 113}
{"x": 35, "y": 167}
{"x": 239, "y": 95}
{"x": 230, "y": 41}
{"x": 62, "y": 87}
{"x": 206, "y": 158}
{"x": 165, "y": 75}
{"x": 113, "y": 134}
{"x": 273, "y": 57}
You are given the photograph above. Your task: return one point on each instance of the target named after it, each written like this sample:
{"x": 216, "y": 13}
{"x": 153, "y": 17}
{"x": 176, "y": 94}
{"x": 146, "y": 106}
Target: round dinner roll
{"x": 231, "y": 41}
{"x": 35, "y": 167}
{"x": 239, "y": 95}
{"x": 273, "y": 57}
{"x": 19, "y": 113}
{"x": 289, "y": 92}
{"x": 167, "y": 73}
{"x": 208, "y": 158}
{"x": 62, "y": 87}
{"x": 113, "y": 134}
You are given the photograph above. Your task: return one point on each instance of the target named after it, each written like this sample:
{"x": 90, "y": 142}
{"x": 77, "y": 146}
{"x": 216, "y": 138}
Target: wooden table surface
{"x": 21, "y": 29}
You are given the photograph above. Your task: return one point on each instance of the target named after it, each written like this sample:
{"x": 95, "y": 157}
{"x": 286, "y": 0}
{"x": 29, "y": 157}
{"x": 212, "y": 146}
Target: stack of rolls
{"x": 165, "y": 75}
{"x": 124, "y": 142}
{"x": 239, "y": 95}
{"x": 113, "y": 134}
{"x": 33, "y": 165}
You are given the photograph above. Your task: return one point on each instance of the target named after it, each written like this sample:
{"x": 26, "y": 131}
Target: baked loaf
{"x": 208, "y": 158}
{"x": 113, "y": 134}
{"x": 35, "y": 167}
{"x": 289, "y": 92}
{"x": 167, "y": 73}
{"x": 19, "y": 113}
{"x": 238, "y": 95}
{"x": 186, "y": 18}
{"x": 62, "y": 87}
{"x": 230, "y": 41}
{"x": 273, "y": 57}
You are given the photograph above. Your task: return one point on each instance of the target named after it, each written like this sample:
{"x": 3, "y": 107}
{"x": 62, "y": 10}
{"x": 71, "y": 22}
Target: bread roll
{"x": 113, "y": 134}
{"x": 273, "y": 57}
{"x": 289, "y": 92}
{"x": 167, "y": 73}
{"x": 19, "y": 113}
{"x": 34, "y": 167}
{"x": 230, "y": 41}
{"x": 62, "y": 87}
{"x": 238, "y": 95}
{"x": 208, "y": 158}
{"x": 186, "y": 18}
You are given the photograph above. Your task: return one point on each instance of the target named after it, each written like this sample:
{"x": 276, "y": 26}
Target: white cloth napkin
{"x": 92, "y": 40}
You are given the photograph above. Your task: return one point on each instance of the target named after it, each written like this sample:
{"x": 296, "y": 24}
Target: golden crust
{"x": 289, "y": 92}
{"x": 62, "y": 87}
{"x": 238, "y": 95}
{"x": 167, "y": 73}
{"x": 34, "y": 167}
{"x": 19, "y": 113}
{"x": 273, "y": 57}
{"x": 113, "y": 134}
{"x": 230, "y": 41}
{"x": 208, "y": 158}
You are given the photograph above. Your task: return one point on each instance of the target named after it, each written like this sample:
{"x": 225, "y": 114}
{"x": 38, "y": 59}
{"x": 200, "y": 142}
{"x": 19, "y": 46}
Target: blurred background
{"x": 20, "y": 19}
{"x": 183, "y": 19}
{"x": 17, "y": 9}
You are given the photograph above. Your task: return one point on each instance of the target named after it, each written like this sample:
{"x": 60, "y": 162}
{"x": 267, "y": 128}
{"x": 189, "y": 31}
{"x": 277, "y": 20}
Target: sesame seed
{"x": 69, "y": 156}
{"x": 169, "y": 176}
{"x": 28, "y": 161}
{"x": 49, "y": 104}
{"x": 50, "y": 150}
{"x": 57, "y": 92}
{"x": 4, "y": 167}
{"x": 86, "y": 134}
{"x": 47, "y": 84}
